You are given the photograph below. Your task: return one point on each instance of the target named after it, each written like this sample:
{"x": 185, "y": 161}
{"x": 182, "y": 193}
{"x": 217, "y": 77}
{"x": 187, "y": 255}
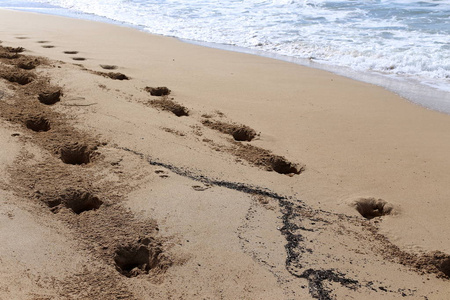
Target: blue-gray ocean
{"x": 403, "y": 45}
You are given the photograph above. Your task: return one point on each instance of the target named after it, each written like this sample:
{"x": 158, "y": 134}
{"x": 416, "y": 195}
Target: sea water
{"x": 402, "y": 45}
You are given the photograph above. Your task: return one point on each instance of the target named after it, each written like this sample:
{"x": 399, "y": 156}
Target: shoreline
{"x": 413, "y": 90}
{"x": 230, "y": 224}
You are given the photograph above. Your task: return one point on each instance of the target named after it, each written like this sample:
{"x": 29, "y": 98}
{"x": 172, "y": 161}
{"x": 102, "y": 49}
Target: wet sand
{"x": 245, "y": 177}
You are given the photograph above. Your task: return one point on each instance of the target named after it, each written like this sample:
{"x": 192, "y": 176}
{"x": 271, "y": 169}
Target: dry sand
{"x": 253, "y": 179}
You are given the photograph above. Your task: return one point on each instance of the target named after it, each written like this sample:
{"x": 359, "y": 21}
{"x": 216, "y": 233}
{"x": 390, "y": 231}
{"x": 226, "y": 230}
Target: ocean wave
{"x": 394, "y": 37}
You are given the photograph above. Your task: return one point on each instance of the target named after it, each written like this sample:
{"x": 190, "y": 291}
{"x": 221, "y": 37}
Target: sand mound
{"x": 239, "y": 132}
{"x": 158, "y": 91}
{"x": 370, "y": 208}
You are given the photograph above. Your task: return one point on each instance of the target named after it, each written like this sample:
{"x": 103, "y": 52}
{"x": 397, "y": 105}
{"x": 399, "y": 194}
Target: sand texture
{"x": 135, "y": 166}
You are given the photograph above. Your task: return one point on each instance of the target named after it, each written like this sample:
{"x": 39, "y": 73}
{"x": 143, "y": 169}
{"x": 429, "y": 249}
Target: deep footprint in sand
{"x": 48, "y": 46}
{"x": 162, "y": 173}
{"x": 167, "y": 104}
{"x": 108, "y": 67}
{"x": 78, "y": 58}
{"x": 113, "y": 75}
{"x": 70, "y": 52}
{"x": 200, "y": 188}
{"x": 38, "y": 124}
{"x": 239, "y": 132}
{"x": 371, "y": 207}
{"x": 158, "y": 91}
{"x": 140, "y": 258}
{"x": 28, "y": 64}
{"x": 78, "y": 201}
{"x": 50, "y": 97}
{"x": 76, "y": 154}
{"x": 19, "y": 76}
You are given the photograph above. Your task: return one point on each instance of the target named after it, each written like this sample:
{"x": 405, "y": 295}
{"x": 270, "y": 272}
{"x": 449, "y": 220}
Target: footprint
{"x": 42, "y": 42}
{"x": 70, "y": 52}
{"x": 108, "y": 67}
{"x": 78, "y": 58}
{"x": 371, "y": 207}
{"x": 22, "y": 37}
{"x": 162, "y": 173}
{"x": 48, "y": 46}
{"x": 200, "y": 188}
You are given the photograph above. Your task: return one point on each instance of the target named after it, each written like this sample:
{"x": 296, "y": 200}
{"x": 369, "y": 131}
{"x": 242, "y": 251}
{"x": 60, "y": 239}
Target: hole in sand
{"x": 28, "y": 64}
{"x": 78, "y": 58}
{"x": 170, "y": 105}
{"x": 18, "y": 76}
{"x": 370, "y": 208}
{"x": 281, "y": 165}
{"x": 158, "y": 91}
{"x": 76, "y": 200}
{"x": 244, "y": 133}
{"x": 42, "y": 42}
{"x": 48, "y": 46}
{"x": 80, "y": 201}
{"x": 50, "y": 97}
{"x": 140, "y": 258}
{"x": 239, "y": 132}
{"x": 266, "y": 159}
{"x": 76, "y": 154}
{"x": 9, "y": 55}
{"x": 435, "y": 259}
{"x": 108, "y": 67}
{"x": 38, "y": 124}
{"x": 112, "y": 75}
{"x": 445, "y": 266}
{"x": 70, "y": 52}
{"x": 14, "y": 49}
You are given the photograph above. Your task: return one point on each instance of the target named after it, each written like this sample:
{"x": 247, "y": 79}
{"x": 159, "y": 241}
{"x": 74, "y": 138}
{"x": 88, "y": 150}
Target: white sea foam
{"x": 405, "y": 39}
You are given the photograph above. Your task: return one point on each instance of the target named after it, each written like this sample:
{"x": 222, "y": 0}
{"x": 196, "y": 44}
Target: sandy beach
{"x": 136, "y": 166}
